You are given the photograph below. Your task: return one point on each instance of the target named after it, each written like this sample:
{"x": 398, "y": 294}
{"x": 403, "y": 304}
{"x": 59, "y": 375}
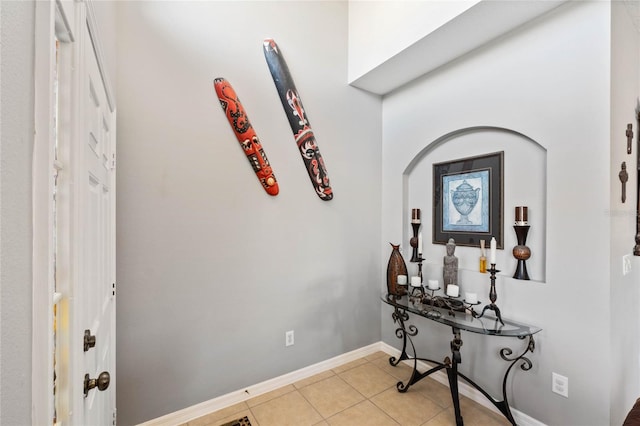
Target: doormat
{"x": 240, "y": 422}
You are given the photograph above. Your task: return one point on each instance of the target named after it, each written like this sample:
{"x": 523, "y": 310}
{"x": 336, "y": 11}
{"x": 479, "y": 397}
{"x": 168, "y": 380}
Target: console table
{"x": 457, "y": 320}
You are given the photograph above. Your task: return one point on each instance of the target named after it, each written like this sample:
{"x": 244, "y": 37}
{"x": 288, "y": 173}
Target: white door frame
{"x": 43, "y": 157}
{"x": 61, "y": 19}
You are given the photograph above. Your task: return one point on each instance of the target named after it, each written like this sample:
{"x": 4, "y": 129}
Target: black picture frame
{"x": 455, "y": 214}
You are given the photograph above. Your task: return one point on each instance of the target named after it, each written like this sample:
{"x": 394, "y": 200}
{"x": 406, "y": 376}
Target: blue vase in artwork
{"x": 464, "y": 198}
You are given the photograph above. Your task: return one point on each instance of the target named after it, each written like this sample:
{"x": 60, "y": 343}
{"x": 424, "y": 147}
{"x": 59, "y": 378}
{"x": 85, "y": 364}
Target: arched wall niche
{"x": 524, "y": 184}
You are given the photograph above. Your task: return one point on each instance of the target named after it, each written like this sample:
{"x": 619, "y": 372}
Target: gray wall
{"x": 211, "y": 270}
{"x": 16, "y": 128}
{"x": 548, "y": 80}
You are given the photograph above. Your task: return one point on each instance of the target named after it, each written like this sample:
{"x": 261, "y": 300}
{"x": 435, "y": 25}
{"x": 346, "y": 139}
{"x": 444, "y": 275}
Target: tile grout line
{"x": 346, "y": 408}
{"x": 369, "y": 363}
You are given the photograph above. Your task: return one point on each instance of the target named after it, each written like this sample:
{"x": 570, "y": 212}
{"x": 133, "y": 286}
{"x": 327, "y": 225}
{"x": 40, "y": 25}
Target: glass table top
{"x": 488, "y": 324}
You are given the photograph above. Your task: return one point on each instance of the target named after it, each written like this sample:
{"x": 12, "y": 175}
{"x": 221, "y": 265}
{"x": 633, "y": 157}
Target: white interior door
{"x": 74, "y": 221}
{"x": 96, "y": 238}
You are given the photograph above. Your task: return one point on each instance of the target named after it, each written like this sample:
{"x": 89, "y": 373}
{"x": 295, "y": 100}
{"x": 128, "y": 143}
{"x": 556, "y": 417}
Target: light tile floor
{"x": 359, "y": 393}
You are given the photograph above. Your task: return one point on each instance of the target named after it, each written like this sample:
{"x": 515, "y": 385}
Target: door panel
{"x": 85, "y": 224}
{"x": 97, "y": 308}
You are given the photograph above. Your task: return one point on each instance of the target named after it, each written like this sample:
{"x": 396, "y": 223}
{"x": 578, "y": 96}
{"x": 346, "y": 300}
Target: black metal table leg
{"x": 404, "y": 333}
{"x": 526, "y": 365}
{"x": 400, "y": 316}
{"x": 452, "y": 374}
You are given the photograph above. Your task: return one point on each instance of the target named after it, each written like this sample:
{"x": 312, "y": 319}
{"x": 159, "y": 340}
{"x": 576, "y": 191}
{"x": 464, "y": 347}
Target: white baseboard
{"x": 204, "y": 408}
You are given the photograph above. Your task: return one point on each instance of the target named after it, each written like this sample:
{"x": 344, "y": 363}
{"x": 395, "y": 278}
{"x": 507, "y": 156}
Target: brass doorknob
{"x": 102, "y": 382}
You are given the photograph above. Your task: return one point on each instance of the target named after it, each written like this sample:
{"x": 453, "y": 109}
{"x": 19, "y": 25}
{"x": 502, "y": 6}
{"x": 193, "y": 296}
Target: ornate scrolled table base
{"x": 405, "y": 332}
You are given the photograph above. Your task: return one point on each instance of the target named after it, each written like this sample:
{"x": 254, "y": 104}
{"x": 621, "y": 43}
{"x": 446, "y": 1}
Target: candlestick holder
{"x": 419, "y": 289}
{"x": 493, "y": 296}
{"x": 429, "y": 298}
{"x": 469, "y": 307}
{"x": 521, "y": 252}
{"x": 416, "y": 293}
{"x": 415, "y": 256}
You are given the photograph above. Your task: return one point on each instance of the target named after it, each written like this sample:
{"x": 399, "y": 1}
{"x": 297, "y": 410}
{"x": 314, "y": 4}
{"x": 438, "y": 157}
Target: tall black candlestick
{"x": 493, "y": 295}
{"x": 521, "y": 252}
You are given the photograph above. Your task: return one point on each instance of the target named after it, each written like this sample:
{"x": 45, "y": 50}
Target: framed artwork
{"x": 467, "y": 200}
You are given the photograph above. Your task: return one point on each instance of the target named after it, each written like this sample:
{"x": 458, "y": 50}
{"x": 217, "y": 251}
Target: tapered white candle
{"x": 420, "y": 243}
{"x": 492, "y": 252}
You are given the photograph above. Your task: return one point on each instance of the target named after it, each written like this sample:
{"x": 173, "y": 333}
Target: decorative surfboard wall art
{"x": 246, "y": 135}
{"x": 302, "y": 132}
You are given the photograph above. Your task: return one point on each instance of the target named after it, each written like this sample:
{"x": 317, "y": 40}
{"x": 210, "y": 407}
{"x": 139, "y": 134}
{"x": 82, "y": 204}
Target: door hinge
{"x": 113, "y": 289}
{"x": 113, "y": 161}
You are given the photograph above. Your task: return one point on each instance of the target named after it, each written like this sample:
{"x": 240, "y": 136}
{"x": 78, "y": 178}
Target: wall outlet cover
{"x": 626, "y": 264}
{"x": 560, "y": 384}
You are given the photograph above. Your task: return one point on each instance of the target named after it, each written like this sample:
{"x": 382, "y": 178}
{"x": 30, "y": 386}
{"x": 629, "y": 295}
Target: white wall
{"x": 378, "y": 30}
{"x": 16, "y": 118}
{"x": 392, "y": 43}
{"x": 549, "y": 81}
{"x": 211, "y": 270}
{"x": 625, "y": 293}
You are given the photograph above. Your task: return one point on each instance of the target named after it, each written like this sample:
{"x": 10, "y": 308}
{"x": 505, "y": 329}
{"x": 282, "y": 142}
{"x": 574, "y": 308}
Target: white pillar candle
{"x": 415, "y": 281}
{"x": 471, "y": 298}
{"x": 433, "y": 284}
{"x": 453, "y": 290}
{"x": 402, "y": 279}
{"x": 420, "y": 243}
{"x": 492, "y": 252}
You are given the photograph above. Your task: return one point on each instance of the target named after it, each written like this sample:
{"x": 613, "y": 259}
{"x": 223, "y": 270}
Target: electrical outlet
{"x": 560, "y": 384}
{"x": 626, "y": 264}
{"x": 288, "y": 338}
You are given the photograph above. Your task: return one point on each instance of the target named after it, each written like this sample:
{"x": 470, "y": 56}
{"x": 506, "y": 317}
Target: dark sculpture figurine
{"x": 450, "y": 269}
